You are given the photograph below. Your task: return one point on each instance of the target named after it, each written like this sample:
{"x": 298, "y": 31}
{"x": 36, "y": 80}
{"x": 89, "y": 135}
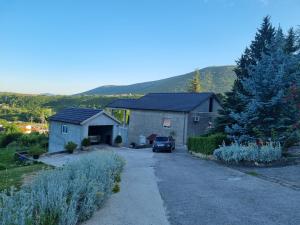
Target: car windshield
{"x": 161, "y": 139}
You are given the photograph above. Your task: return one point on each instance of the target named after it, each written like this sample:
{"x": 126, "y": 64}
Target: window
{"x": 211, "y": 104}
{"x": 166, "y": 122}
{"x": 64, "y": 129}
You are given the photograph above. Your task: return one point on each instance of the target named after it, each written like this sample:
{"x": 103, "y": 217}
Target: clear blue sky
{"x": 69, "y": 46}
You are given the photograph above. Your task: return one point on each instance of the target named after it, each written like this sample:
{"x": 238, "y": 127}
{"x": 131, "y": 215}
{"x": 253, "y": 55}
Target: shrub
{"x": 8, "y": 138}
{"x": 118, "y": 139}
{"x": 70, "y": 147}
{"x": 36, "y": 150}
{"x": 63, "y": 196}
{"x": 206, "y": 145}
{"x": 251, "y": 152}
{"x": 33, "y": 139}
{"x": 85, "y": 142}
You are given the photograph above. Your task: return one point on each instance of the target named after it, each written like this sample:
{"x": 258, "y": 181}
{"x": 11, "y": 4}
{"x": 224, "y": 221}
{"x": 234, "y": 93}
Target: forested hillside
{"x": 37, "y": 108}
{"x": 218, "y": 79}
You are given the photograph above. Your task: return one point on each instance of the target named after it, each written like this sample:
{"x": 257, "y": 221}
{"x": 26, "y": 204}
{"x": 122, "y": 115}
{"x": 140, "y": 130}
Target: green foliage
{"x": 23, "y": 141}
{"x": 11, "y": 128}
{"x": 2, "y": 166}
{"x": 292, "y": 139}
{"x": 14, "y": 176}
{"x": 118, "y": 139}
{"x": 85, "y": 142}
{"x": 194, "y": 85}
{"x": 260, "y": 105}
{"x": 223, "y": 79}
{"x": 116, "y": 188}
{"x": 70, "y": 147}
{"x": 6, "y": 139}
{"x": 34, "y": 139}
{"x": 250, "y": 56}
{"x": 63, "y": 196}
{"x": 250, "y": 152}
{"x": 264, "y": 94}
{"x": 206, "y": 145}
{"x": 37, "y": 108}
{"x": 36, "y": 150}
{"x": 118, "y": 178}
{"x": 7, "y": 157}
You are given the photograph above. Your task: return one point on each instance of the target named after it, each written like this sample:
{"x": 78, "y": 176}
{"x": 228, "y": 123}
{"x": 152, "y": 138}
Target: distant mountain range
{"x": 218, "y": 79}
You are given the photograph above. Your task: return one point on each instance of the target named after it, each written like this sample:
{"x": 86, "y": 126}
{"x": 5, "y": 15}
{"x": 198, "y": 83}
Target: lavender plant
{"x": 63, "y": 196}
{"x": 251, "y": 152}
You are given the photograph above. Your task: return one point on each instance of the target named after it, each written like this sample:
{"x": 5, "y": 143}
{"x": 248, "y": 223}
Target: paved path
{"x": 139, "y": 201}
{"x": 197, "y": 192}
{"x": 178, "y": 189}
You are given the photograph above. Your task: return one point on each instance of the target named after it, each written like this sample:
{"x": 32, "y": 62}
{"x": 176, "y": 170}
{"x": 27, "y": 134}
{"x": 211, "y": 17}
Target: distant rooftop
{"x": 176, "y": 102}
{"x": 74, "y": 115}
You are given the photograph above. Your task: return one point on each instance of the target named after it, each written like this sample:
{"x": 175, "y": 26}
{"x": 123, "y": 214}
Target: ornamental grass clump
{"x": 63, "y": 196}
{"x": 251, "y": 152}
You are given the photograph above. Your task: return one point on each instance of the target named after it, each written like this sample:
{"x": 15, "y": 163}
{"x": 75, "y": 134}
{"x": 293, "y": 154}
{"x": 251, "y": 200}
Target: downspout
{"x": 184, "y": 130}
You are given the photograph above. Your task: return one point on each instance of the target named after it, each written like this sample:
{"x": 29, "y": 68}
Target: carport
{"x": 101, "y": 134}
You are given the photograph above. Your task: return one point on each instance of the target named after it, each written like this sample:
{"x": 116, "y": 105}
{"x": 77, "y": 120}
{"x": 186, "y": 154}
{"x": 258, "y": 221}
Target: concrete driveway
{"x": 139, "y": 201}
{"x": 179, "y": 189}
{"x": 202, "y": 192}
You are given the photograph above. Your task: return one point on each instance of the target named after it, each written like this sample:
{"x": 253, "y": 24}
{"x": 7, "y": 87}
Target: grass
{"x": 7, "y": 157}
{"x": 15, "y": 176}
{"x": 15, "y": 172}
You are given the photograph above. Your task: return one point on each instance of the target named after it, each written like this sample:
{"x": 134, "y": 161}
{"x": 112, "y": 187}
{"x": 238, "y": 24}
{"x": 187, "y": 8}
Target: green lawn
{"x": 15, "y": 173}
{"x": 15, "y": 176}
{"x": 7, "y": 157}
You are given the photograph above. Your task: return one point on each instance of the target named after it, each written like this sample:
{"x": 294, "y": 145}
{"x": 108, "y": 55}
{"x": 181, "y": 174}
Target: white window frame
{"x": 64, "y": 129}
{"x": 164, "y": 121}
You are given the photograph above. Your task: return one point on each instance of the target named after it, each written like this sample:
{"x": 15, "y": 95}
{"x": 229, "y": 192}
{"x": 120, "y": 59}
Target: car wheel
{"x": 153, "y": 150}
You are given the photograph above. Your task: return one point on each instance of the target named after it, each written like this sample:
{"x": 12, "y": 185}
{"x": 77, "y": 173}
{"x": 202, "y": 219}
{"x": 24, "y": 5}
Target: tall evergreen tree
{"x": 251, "y": 56}
{"x": 265, "y": 86}
{"x": 291, "y": 45}
{"x": 195, "y": 85}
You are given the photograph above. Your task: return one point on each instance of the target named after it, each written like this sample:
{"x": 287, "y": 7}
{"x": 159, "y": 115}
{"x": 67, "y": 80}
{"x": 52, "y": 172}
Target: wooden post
{"x": 124, "y": 117}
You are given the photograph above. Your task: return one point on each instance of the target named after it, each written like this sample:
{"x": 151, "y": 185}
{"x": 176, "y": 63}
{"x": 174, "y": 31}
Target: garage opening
{"x": 101, "y": 134}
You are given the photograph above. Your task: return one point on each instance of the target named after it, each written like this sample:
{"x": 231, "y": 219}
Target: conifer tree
{"x": 195, "y": 85}
{"x": 291, "y": 45}
{"x": 267, "y": 113}
{"x": 251, "y": 56}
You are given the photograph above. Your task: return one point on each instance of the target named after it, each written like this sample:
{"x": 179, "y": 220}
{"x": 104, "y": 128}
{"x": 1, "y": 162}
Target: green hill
{"x": 218, "y": 79}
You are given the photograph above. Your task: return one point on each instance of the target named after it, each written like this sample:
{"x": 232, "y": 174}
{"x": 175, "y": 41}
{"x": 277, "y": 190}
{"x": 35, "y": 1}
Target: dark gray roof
{"x": 123, "y": 103}
{"x": 176, "y": 102}
{"x": 74, "y": 115}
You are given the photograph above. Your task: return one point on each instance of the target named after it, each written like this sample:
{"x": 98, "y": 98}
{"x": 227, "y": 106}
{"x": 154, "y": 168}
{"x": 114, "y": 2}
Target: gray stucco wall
{"x": 57, "y": 140}
{"x": 201, "y": 127}
{"x": 146, "y": 122}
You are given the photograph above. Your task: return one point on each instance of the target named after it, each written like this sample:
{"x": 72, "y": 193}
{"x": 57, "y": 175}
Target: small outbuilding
{"x": 75, "y": 124}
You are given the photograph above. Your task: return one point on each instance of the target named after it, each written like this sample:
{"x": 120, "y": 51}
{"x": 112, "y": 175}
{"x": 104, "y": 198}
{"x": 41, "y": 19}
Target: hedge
{"x": 63, "y": 196}
{"x": 206, "y": 145}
